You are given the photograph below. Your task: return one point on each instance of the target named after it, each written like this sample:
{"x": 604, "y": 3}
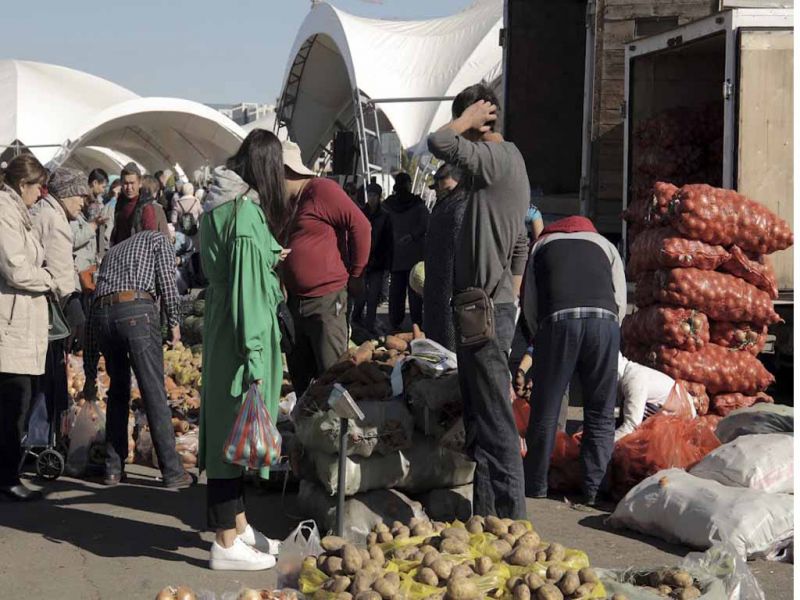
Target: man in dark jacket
{"x": 380, "y": 258}
{"x": 135, "y": 211}
{"x": 409, "y": 219}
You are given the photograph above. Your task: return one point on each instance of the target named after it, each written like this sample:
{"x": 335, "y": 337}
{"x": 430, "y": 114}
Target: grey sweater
{"x": 492, "y": 247}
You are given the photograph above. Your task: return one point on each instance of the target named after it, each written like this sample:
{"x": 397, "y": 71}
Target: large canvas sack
{"x": 761, "y": 418}
{"x": 762, "y": 462}
{"x": 683, "y": 509}
{"x": 435, "y": 404}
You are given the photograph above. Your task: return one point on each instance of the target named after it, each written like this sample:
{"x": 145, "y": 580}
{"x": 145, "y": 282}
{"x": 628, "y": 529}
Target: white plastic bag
{"x": 89, "y": 429}
{"x": 681, "y": 508}
{"x": 433, "y": 358}
{"x": 303, "y": 541}
{"x": 759, "y": 418}
{"x": 760, "y": 462}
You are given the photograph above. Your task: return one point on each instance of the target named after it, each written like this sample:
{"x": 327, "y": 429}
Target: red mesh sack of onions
{"x": 698, "y": 392}
{"x": 719, "y": 216}
{"x": 720, "y": 296}
{"x": 651, "y": 210}
{"x": 760, "y": 274}
{"x": 739, "y": 336}
{"x": 646, "y": 290}
{"x": 725, "y": 404}
{"x": 682, "y": 328}
{"x": 664, "y": 248}
{"x": 721, "y": 370}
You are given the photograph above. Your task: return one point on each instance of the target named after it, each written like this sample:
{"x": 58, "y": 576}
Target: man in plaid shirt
{"x": 125, "y": 325}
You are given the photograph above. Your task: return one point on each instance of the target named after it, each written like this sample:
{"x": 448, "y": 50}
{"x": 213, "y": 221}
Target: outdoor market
{"x": 490, "y": 304}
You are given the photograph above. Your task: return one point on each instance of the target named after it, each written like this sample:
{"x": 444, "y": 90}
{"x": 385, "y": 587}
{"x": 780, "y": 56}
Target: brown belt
{"x": 125, "y": 296}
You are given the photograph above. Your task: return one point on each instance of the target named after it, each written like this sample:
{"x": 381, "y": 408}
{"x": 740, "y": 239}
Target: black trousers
{"x": 225, "y": 500}
{"x": 369, "y": 300}
{"x": 590, "y": 347}
{"x": 398, "y": 288}
{"x": 15, "y": 398}
{"x": 491, "y": 432}
{"x": 129, "y": 335}
{"x": 321, "y": 336}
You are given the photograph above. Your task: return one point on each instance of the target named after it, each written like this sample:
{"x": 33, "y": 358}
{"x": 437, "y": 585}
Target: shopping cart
{"x": 39, "y": 441}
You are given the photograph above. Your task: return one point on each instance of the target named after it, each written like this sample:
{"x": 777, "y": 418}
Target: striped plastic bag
{"x": 254, "y": 442}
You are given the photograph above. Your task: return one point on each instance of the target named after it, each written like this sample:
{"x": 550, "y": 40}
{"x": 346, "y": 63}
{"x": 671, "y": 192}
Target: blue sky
{"x": 204, "y": 50}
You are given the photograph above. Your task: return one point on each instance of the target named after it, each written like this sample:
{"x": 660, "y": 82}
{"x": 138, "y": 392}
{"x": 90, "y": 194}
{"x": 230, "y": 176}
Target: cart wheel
{"x": 49, "y": 464}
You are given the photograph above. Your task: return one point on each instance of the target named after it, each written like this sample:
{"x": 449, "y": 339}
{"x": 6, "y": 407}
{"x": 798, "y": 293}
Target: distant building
{"x": 244, "y": 112}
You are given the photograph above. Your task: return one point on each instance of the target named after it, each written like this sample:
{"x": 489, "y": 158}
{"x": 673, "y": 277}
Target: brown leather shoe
{"x": 184, "y": 481}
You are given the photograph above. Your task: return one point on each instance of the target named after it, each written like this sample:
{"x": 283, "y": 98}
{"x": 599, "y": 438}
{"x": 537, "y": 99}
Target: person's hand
{"x": 175, "y": 338}
{"x": 285, "y": 252}
{"x": 356, "y": 286}
{"x": 478, "y": 116}
{"x": 100, "y": 220}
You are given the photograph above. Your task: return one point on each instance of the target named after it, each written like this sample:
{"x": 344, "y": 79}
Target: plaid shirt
{"x": 145, "y": 262}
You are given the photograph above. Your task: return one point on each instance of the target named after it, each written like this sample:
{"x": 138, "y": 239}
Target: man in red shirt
{"x": 316, "y": 275}
{"x": 127, "y": 219}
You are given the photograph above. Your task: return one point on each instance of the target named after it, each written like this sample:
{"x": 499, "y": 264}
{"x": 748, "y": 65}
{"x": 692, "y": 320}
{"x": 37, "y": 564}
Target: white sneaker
{"x": 239, "y": 557}
{"x": 256, "y": 539}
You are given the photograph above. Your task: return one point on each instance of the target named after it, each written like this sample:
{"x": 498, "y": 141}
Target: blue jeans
{"x": 129, "y": 335}
{"x": 590, "y": 347}
{"x": 491, "y": 433}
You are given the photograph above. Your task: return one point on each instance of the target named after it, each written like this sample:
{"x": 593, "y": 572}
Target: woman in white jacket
{"x": 23, "y": 313}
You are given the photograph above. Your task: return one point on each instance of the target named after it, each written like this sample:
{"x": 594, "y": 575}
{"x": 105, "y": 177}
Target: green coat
{"x": 241, "y": 336}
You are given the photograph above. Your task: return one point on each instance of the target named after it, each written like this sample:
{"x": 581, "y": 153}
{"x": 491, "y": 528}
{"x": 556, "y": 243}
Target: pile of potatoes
{"x": 669, "y": 583}
{"x": 442, "y": 554}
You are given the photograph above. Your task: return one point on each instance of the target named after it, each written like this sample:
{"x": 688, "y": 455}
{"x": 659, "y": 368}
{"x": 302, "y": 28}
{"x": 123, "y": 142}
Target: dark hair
{"x": 117, "y": 183}
{"x": 23, "y": 169}
{"x": 402, "y": 181}
{"x": 98, "y": 175}
{"x": 158, "y": 174}
{"x": 374, "y": 188}
{"x": 469, "y": 96}
{"x": 130, "y": 169}
{"x": 259, "y": 162}
{"x": 150, "y": 186}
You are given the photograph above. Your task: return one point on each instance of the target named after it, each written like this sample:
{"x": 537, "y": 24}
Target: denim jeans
{"x": 491, "y": 433}
{"x": 589, "y": 347}
{"x": 129, "y": 335}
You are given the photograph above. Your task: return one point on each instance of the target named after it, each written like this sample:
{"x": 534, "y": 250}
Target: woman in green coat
{"x": 244, "y": 210}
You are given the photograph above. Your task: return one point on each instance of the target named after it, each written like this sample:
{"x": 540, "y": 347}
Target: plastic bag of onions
{"x": 724, "y": 217}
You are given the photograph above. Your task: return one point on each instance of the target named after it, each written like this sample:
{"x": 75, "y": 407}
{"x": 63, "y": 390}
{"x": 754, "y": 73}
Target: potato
{"x": 393, "y": 578}
{"x": 534, "y": 581}
{"x": 321, "y": 560}
{"x": 690, "y": 593}
{"x": 384, "y": 537}
{"x": 373, "y": 566}
{"x": 351, "y": 560}
{"x": 442, "y": 567}
{"x": 333, "y": 566}
{"x": 416, "y": 555}
{"x": 522, "y": 556}
{"x": 387, "y": 589}
{"x": 368, "y": 595}
{"x": 518, "y": 528}
{"x": 333, "y": 543}
{"x": 438, "y": 526}
{"x": 455, "y": 533}
{"x": 362, "y": 582}
{"x": 569, "y": 583}
{"x": 425, "y": 548}
{"x": 462, "y": 589}
{"x": 588, "y": 575}
{"x": 429, "y": 558}
{"x": 461, "y": 571}
{"x": 679, "y": 578}
{"x": 372, "y": 538}
{"x": 402, "y": 534}
{"x": 365, "y": 556}
{"x": 483, "y": 565}
{"x": 513, "y": 581}
{"x": 451, "y": 546}
{"x": 541, "y": 557}
{"x": 395, "y": 526}
{"x": 422, "y": 529}
{"x": 342, "y": 596}
{"x": 556, "y": 552}
{"x": 664, "y": 590}
{"x": 507, "y": 522}
{"x": 554, "y": 573}
{"x": 337, "y": 584}
{"x": 584, "y": 591}
{"x": 405, "y": 553}
{"x": 619, "y": 597}
{"x": 495, "y": 526}
{"x": 529, "y": 538}
{"x": 522, "y": 592}
{"x": 427, "y": 576}
{"x": 382, "y": 528}
{"x": 475, "y": 525}
{"x": 502, "y": 547}
{"x": 511, "y": 539}
{"x": 376, "y": 554}
{"x": 549, "y": 592}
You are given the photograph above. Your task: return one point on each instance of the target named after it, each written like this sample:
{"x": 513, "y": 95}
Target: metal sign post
{"x": 346, "y": 409}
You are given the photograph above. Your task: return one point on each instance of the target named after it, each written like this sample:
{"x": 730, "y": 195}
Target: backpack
{"x": 188, "y": 222}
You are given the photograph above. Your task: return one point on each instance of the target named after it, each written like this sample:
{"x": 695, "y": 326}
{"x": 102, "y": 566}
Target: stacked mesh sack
{"x": 704, "y": 291}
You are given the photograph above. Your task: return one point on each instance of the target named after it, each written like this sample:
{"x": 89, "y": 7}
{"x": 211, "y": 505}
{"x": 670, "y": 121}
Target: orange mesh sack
{"x": 739, "y": 336}
{"x": 565, "y": 473}
{"x": 720, "y": 296}
{"x": 719, "y": 369}
{"x": 665, "y": 248}
{"x": 725, "y": 404}
{"x": 682, "y": 328}
{"x": 758, "y": 272}
{"x": 651, "y": 210}
{"x": 724, "y": 217}
{"x": 662, "y": 442}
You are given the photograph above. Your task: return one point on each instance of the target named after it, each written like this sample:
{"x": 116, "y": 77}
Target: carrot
{"x": 396, "y": 343}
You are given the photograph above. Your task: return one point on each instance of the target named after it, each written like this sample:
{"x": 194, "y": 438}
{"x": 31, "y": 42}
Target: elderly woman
{"x": 23, "y": 313}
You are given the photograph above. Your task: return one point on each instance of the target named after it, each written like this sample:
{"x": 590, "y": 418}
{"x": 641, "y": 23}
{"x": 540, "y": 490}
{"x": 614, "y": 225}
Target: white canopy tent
{"x": 335, "y": 54}
{"x": 68, "y": 117}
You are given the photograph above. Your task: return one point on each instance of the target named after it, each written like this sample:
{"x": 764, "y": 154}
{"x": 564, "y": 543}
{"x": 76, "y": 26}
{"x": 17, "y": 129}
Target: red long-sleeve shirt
{"x": 326, "y": 217}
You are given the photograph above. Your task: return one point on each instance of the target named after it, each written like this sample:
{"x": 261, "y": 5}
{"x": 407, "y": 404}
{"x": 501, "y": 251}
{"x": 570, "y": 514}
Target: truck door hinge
{"x": 727, "y": 90}
{"x": 502, "y": 37}
{"x": 623, "y": 110}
